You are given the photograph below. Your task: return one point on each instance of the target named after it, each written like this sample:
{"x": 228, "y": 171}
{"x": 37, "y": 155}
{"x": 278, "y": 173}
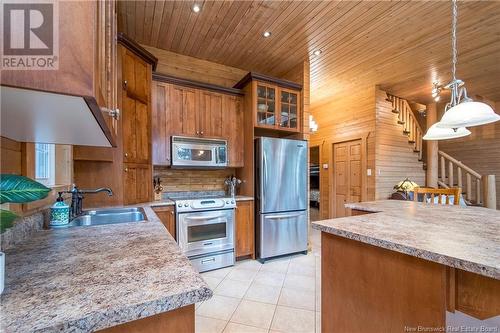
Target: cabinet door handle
{"x": 126, "y": 169}
{"x": 201, "y": 132}
{"x": 171, "y": 213}
{"x": 126, "y": 154}
{"x": 115, "y": 114}
{"x": 125, "y": 82}
{"x": 197, "y": 132}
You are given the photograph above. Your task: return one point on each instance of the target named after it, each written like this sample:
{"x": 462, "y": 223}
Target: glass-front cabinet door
{"x": 266, "y": 105}
{"x": 288, "y": 109}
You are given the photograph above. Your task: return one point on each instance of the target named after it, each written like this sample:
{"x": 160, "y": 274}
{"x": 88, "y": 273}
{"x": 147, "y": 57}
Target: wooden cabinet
{"x": 137, "y": 183}
{"x": 195, "y": 112}
{"x": 245, "y": 230}
{"x": 126, "y": 169}
{"x": 167, "y": 216}
{"x": 274, "y": 103}
{"x": 232, "y": 129}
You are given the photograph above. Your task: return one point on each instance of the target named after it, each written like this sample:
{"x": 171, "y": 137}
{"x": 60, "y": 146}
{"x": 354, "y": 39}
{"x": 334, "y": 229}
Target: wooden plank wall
{"x": 347, "y": 117}
{"x": 11, "y": 160}
{"x": 394, "y": 156}
{"x": 175, "y": 180}
{"x": 480, "y": 150}
{"x": 195, "y": 69}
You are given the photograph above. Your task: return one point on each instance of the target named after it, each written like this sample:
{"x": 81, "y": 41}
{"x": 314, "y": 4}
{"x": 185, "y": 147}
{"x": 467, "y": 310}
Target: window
{"x": 45, "y": 163}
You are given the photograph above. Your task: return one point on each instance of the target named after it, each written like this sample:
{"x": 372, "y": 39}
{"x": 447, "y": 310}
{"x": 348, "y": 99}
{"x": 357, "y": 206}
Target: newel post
{"x": 489, "y": 191}
{"x": 432, "y": 150}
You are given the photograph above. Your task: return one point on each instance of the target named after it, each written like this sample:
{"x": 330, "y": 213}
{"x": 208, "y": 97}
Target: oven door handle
{"x": 209, "y": 217}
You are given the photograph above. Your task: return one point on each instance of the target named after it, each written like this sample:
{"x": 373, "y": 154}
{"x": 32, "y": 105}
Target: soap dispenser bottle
{"x": 59, "y": 212}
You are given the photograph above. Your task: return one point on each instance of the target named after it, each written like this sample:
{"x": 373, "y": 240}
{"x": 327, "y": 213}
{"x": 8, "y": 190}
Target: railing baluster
{"x": 443, "y": 170}
{"x": 469, "y": 186}
{"x": 459, "y": 177}
{"x": 450, "y": 174}
{"x": 478, "y": 191}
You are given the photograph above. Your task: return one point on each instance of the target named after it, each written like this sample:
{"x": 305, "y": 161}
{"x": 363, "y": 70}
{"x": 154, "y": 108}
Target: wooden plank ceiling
{"x": 401, "y": 46}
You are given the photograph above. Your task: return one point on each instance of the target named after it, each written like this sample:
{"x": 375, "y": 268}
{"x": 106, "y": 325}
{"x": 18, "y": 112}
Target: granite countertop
{"x": 467, "y": 238}
{"x": 84, "y": 279}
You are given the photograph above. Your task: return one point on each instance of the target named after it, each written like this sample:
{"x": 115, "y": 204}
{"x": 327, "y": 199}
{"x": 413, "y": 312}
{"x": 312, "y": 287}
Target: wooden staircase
{"x": 477, "y": 189}
{"x": 411, "y": 127}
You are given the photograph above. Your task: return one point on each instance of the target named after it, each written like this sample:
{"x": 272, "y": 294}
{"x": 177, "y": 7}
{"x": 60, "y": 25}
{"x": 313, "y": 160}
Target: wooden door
{"x": 245, "y": 236}
{"x": 232, "y": 119}
{"x": 137, "y": 183}
{"x": 167, "y": 216}
{"x": 347, "y": 170}
{"x": 210, "y": 114}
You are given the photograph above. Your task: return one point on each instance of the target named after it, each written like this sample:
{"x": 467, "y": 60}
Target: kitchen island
{"x": 397, "y": 266}
{"x": 128, "y": 277}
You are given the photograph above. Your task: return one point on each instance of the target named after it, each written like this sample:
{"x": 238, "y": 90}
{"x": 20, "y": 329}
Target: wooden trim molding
{"x": 133, "y": 46}
{"x": 196, "y": 84}
{"x": 251, "y": 76}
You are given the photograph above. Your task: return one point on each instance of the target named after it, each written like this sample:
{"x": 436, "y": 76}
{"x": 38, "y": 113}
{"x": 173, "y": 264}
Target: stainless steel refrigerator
{"x": 281, "y": 196}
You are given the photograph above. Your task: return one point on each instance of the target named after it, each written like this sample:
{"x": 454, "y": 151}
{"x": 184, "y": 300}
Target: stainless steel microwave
{"x": 200, "y": 153}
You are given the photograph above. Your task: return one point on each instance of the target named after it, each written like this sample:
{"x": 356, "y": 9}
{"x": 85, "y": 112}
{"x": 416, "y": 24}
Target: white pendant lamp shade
{"x": 437, "y": 133}
{"x": 467, "y": 114}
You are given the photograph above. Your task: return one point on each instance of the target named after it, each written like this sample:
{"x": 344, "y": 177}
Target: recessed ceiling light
{"x": 317, "y": 52}
{"x": 196, "y": 8}
{"x": 266, "y": 34}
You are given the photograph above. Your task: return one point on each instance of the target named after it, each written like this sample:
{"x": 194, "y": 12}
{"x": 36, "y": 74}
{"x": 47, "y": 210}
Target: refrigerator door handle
{"x": 278, "y": 217}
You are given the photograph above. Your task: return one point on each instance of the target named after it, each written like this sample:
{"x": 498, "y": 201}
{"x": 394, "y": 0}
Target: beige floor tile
{"x": 277, "y": 265}
{"x": 212, "y": 281}
{"x": 250, "y": 264}
{"x": 241, "y": 274}
{"x": 270, "y": 278}
{"x": 299, "y": 282}
{"x": 209, "y": 325}
{"x": 293, "y": 320}
{"x": 198, "y": 305}
{"x": 301, "y": 269}
{"x": 298, "y": 298}
{"x": 218, "y": 307}
{"x": 232, "y": 288}
{"x": 220, "y": 273}
{"x": 306, "y": 260}
{"x": 239, "y": 328}
{"x": 254, "y": 314}
{"x": 263, "y": 293}
{"x": 318, "y": 322}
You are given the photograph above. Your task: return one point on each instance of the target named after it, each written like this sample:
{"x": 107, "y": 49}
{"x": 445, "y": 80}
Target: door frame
{"x": 364, "y": 181}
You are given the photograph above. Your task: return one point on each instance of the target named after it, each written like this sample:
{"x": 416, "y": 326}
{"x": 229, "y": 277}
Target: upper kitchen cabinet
{"x": 78, "y": 71}
{"x": 194, "y": 109}
{"x": 274, "y": 103}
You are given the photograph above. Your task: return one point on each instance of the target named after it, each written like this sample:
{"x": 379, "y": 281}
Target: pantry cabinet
{"x": 181, "y": 109}
{"x": 245, "y": 229}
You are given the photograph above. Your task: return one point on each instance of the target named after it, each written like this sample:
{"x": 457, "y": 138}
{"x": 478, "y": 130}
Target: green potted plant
{"x": 16, "y": 189}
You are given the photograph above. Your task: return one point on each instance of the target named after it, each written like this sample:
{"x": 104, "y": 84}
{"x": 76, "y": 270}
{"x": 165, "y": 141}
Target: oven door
{"x": 205, "y": 232}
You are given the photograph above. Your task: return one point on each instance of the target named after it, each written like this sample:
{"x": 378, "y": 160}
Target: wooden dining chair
{"x": 440, "y": 192}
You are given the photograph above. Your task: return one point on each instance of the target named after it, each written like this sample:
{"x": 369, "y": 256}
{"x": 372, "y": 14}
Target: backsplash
{"x": 176, "y": 180}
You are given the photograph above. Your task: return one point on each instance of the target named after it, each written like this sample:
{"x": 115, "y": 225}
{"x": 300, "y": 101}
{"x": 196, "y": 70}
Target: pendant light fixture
{"x": 461, "y": 111}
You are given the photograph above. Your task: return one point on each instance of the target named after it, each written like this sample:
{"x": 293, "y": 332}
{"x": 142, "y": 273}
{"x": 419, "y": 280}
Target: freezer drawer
{"x": 282, "y": 233}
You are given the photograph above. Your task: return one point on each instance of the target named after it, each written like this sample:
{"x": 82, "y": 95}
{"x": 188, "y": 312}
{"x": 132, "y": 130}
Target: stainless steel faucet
{"x": 77, "y": 198}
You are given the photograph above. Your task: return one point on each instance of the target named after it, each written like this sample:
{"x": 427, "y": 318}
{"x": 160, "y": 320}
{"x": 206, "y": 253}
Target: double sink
{"x": 108, "y": 216}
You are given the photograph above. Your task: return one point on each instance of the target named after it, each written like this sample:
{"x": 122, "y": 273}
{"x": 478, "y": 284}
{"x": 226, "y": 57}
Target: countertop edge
{"x": 465, "y": 265}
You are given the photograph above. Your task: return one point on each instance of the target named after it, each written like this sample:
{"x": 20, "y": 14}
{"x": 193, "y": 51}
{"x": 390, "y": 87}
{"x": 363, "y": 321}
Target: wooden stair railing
{"x": 478, "y": 190}
{"x": 411, "y": 127}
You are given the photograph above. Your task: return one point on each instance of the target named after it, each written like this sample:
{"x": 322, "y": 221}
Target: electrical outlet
{"x": 325, "y": 166}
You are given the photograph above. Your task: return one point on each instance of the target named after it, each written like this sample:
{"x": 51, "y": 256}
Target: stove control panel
{"x": 190, "y": 205}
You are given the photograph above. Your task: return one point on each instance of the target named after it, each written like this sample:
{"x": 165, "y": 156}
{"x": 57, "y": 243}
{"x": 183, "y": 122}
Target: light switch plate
{"x": 325, "y": 166}
{"x": 368, "y": 172}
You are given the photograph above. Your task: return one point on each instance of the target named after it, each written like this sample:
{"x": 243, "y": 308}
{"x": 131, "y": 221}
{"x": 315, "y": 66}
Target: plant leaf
{"x": 6, "y": 219}
{"x": 20, "y": 189}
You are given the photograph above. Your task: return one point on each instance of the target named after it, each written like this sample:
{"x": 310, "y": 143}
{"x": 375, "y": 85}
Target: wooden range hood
{"x": 29, "y": 115}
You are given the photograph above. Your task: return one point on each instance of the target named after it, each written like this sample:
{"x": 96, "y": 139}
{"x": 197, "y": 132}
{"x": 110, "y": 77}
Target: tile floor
{"x": 283, "y": 295}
